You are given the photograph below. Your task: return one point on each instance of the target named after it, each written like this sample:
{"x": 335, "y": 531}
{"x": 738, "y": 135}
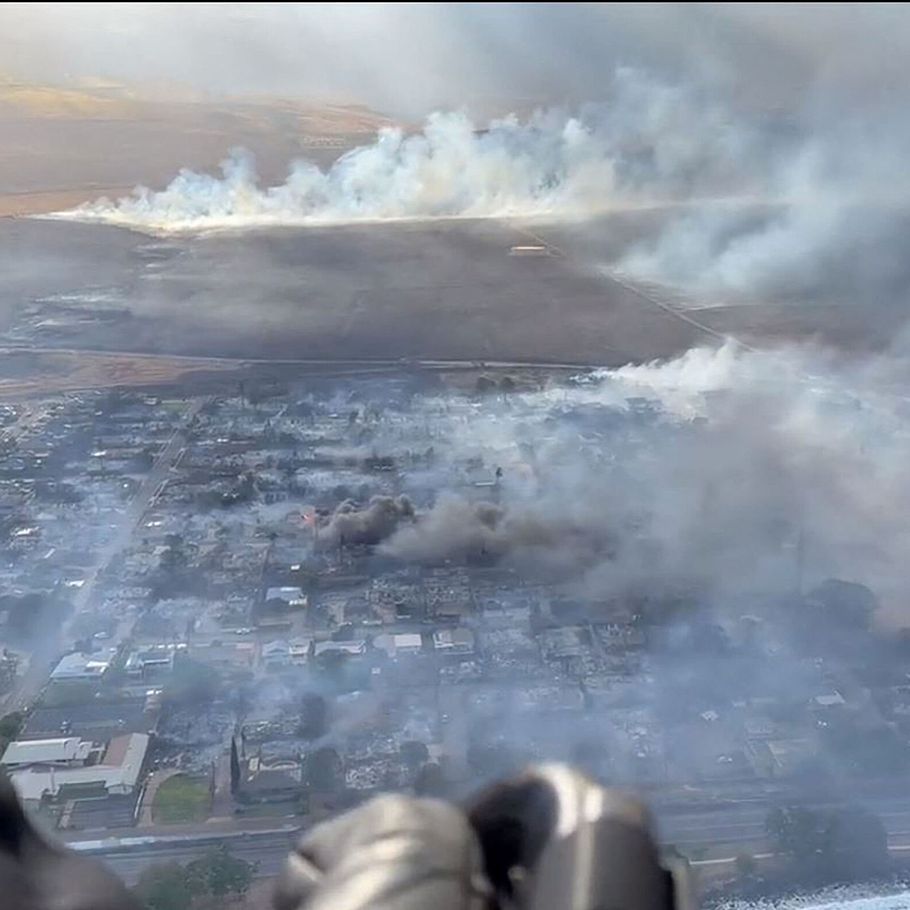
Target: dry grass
{"x": 182, "y": 799}
{"x": 65, "y": 146}
{"x": 47, "y": 373}
{"x": 41, "y": 202}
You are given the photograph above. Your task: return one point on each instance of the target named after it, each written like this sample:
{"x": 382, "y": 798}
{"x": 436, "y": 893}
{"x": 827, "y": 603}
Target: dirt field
{"x": 445, "y": 290}
{"x": 24, "y": 374}
{"x": 62, "y": 147}
{"x": 448, "y": 290}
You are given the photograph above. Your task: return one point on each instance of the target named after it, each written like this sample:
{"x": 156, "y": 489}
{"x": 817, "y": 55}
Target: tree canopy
{"x": 828, "y": 845}
{"x": 324, "y": 771}
{"x": 217, "y": 874}
{"x": 164, "y": 887}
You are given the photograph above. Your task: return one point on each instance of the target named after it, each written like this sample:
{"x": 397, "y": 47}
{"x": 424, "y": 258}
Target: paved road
{"x": 267, "y": 851}
{"x": 745, "y": 822}
{"x": 718, "y": 833}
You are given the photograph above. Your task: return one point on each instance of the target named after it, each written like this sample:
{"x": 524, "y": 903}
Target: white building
{"x": 276, "y": 653}
{"x": 67, "y": 751}
{"x": 350, "y": 648}
{"x": 290, "y": 596}
{"x": 399, "y": 643}
{"x": 454, "y": 641}
{"x": 299, "y": 649}
{"x": 118, "y": 772}
{"x": 154, "y": 658}
{"x": 78, "y": 666}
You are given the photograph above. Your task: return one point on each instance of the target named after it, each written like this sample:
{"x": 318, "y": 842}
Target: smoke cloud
{"x": 752, "y": 207}
{"x": 829, "y": 228}
{"x": 351, "y": 524}
{"x": 414, "y": 58}
{"x": 717, "y": 470}
{"x": 648, "y": 142}
{"x": 485, "y": 532}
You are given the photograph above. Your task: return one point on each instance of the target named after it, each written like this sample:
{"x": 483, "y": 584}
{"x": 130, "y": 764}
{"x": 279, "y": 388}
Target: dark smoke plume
{"x": 371, "y": 524}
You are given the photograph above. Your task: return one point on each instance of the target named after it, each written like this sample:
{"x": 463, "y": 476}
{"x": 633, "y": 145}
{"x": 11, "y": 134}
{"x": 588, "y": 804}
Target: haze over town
{"x": 396, "y": 396}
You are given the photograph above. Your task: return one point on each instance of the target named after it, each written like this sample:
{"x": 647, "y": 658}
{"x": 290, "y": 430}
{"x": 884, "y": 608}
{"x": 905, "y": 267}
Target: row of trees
{"x": 830, "y": 845}
{"x": 10, "y": 725}
{"x": 199, "y": 885}
{"x": 485, "y": 385}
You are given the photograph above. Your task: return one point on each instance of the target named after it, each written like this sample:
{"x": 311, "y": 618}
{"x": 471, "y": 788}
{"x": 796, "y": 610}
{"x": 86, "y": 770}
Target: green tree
{"x": 859, "y": 845}
{"x": 11, "y": 724}
{"x": 830, "y": 845}
{"x": 9, "y": 664}
{"x": 324, "y": 770}
{"x": 235, "y": 766}
{"x": 164, "y": 887}
{"x": 215, "y": 875}
{"x": 219, "y": 874}
{"x": 799, "y": 833}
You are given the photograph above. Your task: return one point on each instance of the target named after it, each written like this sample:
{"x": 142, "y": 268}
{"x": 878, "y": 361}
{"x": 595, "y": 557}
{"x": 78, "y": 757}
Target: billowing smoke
{"x": 485, "y": 532}
{"x": 724, "y": 470}
{"x": 648, "y": 141}
{"x": 371, "y": 524}
{"x": 830, "y": 228}
{"x": 752, "y": 206}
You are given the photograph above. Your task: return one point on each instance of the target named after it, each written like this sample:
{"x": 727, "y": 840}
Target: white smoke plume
{"x": 748, "y": 457}
{"x": 830, "y": 228}
{"x": 649, "y": 140}
{"x": 799, "y": 199}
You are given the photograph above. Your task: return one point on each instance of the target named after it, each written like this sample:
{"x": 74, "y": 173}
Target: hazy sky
{"x": 410, "y": 58}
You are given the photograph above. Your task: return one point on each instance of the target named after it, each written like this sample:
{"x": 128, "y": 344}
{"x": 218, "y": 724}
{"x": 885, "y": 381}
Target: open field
{"x": 448, "y": 290}
{"x": 26, "y": 373}
{"x": 181, "y": 799}
{"x": 421, "y": 290}
{"x": 65, "y": 146}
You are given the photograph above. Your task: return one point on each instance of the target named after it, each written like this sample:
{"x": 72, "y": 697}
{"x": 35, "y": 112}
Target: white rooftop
{"x": 36, "y": 751}
{"x": 84, "y": 666}
{"x": 347, "y": 647}
{"x": 300, "y": 647}
{"x": 830, "y": 701}
{"x": 407, "y": 640}
{"x": 117, "y": 773}
{"x": 445, "y": 639}
{"x": 290, "y": 595}
{"x": 279, "y": 646}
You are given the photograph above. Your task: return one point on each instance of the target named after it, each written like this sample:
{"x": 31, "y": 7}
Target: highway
{"x": 266, "y": 849}
{"x": 714, "y": 835}
{"x": 744, "y": 823}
